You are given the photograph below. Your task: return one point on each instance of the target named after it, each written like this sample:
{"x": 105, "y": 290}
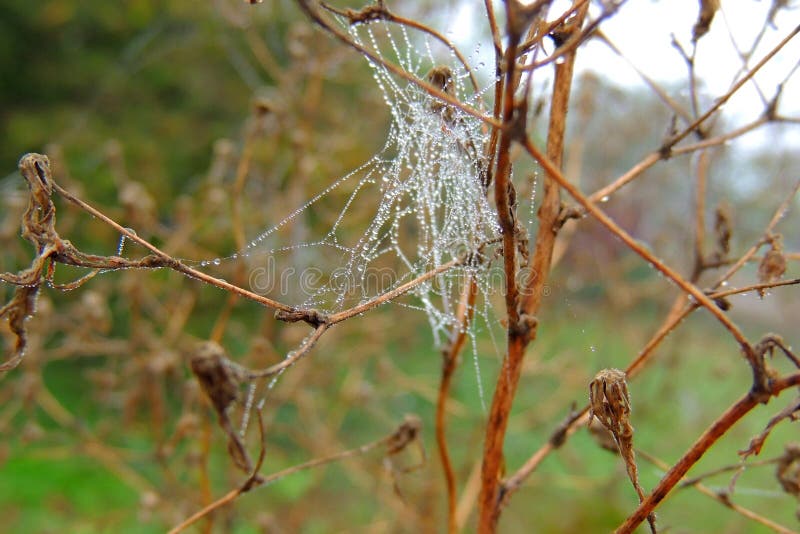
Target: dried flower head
{"x": 218, "y": 377}
{"x": 610, "y": 402}
{"x": 441, "y": 77}
{"x": 773, "y": 265}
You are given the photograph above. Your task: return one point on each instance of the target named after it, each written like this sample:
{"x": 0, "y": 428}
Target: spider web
{"x": 424, "y": 191}
{"x": 431, "y": 205}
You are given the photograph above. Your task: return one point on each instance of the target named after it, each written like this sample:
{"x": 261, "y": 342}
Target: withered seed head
{"x": 218, "y": 377}
{"x": 773, "y": 265}
{"x": 441, "y": 77}
{"x": 610, "y": 401}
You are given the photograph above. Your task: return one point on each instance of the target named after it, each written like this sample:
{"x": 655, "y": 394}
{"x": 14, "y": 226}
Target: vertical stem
{"x": 518, "y": 336}
{"x": 509, "y": 373}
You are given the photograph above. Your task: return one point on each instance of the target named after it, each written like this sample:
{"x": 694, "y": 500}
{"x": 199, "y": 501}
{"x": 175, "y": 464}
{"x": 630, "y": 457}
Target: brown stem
{"x": 721, "y": 498}
{"x": 521, "y": 325}
{"x": 717, "y": 429}
{"x": 668, "y": 148}
{"x": 506, "y": 382}
{"x": 292, "y": 359}
{"x": 496, "y": 40}
{"x": 394, "y": 442}
{"x": 642, "y": 251}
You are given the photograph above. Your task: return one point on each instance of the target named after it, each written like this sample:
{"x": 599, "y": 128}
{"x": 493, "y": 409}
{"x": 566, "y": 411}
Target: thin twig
{"x": 668, "y": 148}
{"x": 396, "y": 441}
{"x": 312, "y": 11}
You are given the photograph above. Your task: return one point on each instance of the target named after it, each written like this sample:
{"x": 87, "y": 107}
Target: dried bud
{"x": 773, "y": 265}
{"x": 441, "y": 77}
{"x": 610, "y": 402}
{"x": 722, "y": 229}
{"x": 218, "y": 377}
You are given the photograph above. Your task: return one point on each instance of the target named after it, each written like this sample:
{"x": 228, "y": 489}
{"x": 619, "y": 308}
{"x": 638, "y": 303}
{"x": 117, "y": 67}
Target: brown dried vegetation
{"x": 227, "y": 385}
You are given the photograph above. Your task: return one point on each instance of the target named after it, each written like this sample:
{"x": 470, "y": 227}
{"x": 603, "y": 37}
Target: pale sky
{"x": 642, "y": 29}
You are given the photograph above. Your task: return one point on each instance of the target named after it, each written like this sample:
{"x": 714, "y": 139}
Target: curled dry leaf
{"x": 220, "y": 379}
{"x": 18, "y": 310}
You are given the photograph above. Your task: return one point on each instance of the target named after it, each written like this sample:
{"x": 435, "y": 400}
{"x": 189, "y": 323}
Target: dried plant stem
{"x": 304, "y": 349}
{"x": 642, "y": 251}
{"x": 715, "y": 431}
{"x": 522, "y": 326}
{"x": 394, "y": 293}
{"x": 512, "y": 364}
{"x": 668, "y": 148}
{"x": 678, "y": 312}
{"x": 380, "y": 11}
{"x": 722, "y": 499}
{"x": 723, "y": 138}
{"x": 168, "y": 260}
{"x": 496, "y": 37}
{"x": 311, "y": 9}
{"x": 398, "y": 438}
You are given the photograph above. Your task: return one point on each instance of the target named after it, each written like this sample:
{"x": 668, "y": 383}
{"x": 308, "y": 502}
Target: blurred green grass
{"x": 46, "y": 485}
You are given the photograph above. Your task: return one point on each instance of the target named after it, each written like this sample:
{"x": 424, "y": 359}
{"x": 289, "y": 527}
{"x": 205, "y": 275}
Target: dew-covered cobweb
{"x": 417, "y": 204}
